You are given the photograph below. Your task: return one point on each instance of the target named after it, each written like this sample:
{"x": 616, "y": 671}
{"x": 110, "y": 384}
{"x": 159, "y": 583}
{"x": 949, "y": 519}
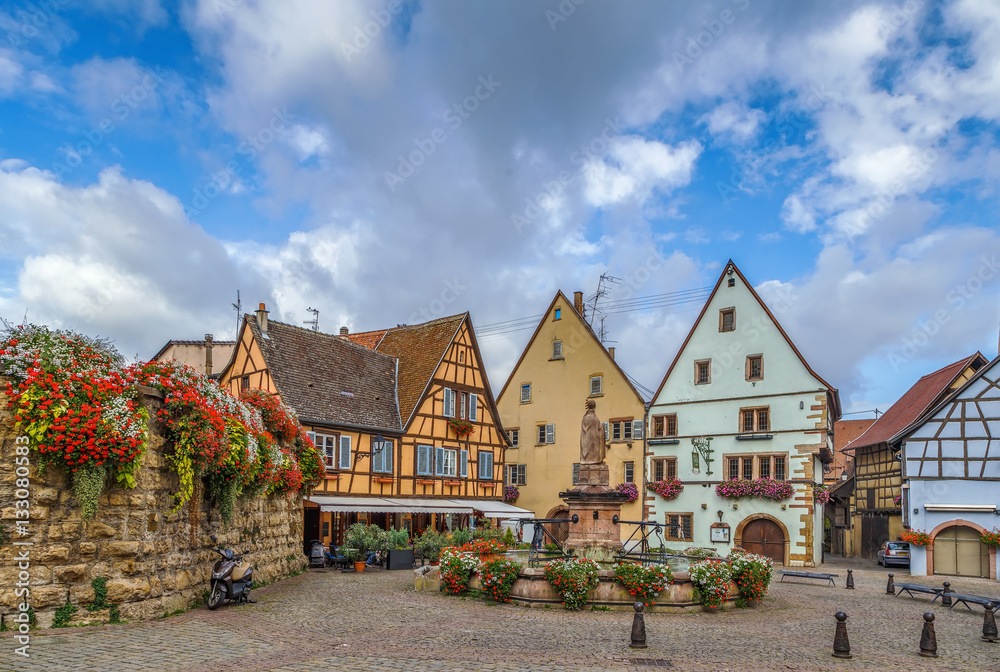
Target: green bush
{"x": 397, "y": 539}
{"x": 63, "y": 616}
{"x": 430, "y": 543}
{"x": 461, "y": 537}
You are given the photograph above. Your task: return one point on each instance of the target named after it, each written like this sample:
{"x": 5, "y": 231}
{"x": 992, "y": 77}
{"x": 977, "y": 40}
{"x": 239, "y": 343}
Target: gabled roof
{"x": 833, "y": 392}
{"x": 914, "y": 404}
{"x": 949, "y": 398}
{"x": 202, "y": 343}
{"x": 420, "y": 348}
{"x": 586, "y": 327}
{"x": 328, "y": 378}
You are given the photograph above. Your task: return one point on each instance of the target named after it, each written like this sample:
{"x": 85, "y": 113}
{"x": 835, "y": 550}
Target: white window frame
{"x": 449, "y": 403}
{"x": 550, "y": 433}
{"x": 628, "y": 466}
{"x": 515, "y": 437}
{"x": 344, "y": 459}
{"x": 450, "y": 467}
{"x": 327, "y": 446}
{"x": 540, "y": 435}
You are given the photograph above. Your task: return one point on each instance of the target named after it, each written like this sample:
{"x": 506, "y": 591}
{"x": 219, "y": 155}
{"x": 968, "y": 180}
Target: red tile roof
{"x": 369, "y": 339}
{"x": 912, "y": 405}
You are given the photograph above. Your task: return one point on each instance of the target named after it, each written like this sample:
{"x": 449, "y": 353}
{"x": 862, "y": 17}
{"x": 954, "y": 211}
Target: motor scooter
{"x": 232, "y": 578}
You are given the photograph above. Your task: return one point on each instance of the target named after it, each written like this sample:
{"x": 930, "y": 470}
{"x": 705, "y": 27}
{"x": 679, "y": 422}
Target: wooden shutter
{"x": 423, "y": 460}
{"x": 473, "y": 407}
{"x": 439, "y": 461}
{"x": 345, "y": 452}
{"x": 522, "y": 474}
{"x": 550, "y": 433}
{"x": 489, "y": 465}
{"x": 387, "y": 457}
{"x": 463, "y": 463}
{"x": 606, "y": 434}
{"x": 637, "y": 428}
{"x": 576, "y": 473}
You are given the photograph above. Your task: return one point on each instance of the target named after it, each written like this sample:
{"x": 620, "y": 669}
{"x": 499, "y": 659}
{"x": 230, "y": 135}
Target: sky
{"x": 391, "y": 162}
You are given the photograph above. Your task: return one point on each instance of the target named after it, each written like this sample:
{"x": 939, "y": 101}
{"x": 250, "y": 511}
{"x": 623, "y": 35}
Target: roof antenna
{"x": 238, "y": 307}
{"x": 314, "y": 323}
{"x": 601, "y": 291}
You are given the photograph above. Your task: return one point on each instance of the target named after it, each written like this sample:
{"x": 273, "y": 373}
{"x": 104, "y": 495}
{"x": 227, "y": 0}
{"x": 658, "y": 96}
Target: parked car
{"x": 894, "y": 553}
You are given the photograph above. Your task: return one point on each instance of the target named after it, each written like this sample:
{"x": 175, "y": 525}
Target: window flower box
{"x": 759, "y": 488}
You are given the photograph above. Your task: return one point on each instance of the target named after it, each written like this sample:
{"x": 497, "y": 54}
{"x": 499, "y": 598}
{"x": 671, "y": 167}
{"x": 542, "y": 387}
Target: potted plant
{"x": 359, "y": 540}
{"x": 400, "y": 553}
{"x": 430, "y": 544}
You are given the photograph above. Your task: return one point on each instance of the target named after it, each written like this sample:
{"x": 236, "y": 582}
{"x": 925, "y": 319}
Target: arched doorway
{"x": 764, "y": 537}
{"x": 559, "y": 530}
{"x": 959, "y": 552}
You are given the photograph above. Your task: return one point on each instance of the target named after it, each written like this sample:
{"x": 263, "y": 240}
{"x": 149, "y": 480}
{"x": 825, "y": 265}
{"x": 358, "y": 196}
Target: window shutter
{"x": 550, "y": 433}
{"x": 606, "y": 434}
{"x": 463, "y": 463}
{"x": 449, "y": 403}
{"x": 576, "y": 473}
{"x": 489, "y": 465}
{"x": 387, "y": 457}
{"x": 464, "y": 397}
{"x": 345, "y": 452}
{"x": 423, "y": 460}
{"x": 473, "y": 408}
{"x": 522, "y": 474}
{"x": 637, "y": 429}
{"x": 439, "y": 461}
{"x": 312, "y": 437}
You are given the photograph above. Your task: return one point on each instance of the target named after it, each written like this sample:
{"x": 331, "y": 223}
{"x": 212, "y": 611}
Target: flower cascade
{"x": 668, "y": 488}
{"x": 990, "y": 538}
{"x": 713, "y": 578}
{"x": 497, "y": 576}
{"x": 916, "y": 537}
{"x": 821, "y": 493}
{"x": 628, "y": 491}
{"x": 511, "y": 493}
{"x": 573, "y": 579}
{"x": 760, "y": 488}
{"x": 456, "y": 569}
{"x": 751, "y": 572}
{"x": 645, "y": 583}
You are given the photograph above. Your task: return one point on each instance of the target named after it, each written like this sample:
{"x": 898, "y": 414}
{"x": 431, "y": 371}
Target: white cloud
{"x": 636, "y": 166}
{"x": 733, "y": 121}
{"x": 10, "y": 72}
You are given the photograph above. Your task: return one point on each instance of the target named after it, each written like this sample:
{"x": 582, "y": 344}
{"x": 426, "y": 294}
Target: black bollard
{"x": 841, "y": 645}
{"x": 928, "y": 641}
{"x": 890, "y": 588}
{"x": 945, "y": 597}
{"x": 850, "y": 579}
{"x": 990, "y": 625}
{"x": 638, "y": 628}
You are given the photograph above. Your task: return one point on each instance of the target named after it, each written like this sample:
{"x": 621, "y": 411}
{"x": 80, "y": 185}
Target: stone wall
{"x": 156, "y": 562}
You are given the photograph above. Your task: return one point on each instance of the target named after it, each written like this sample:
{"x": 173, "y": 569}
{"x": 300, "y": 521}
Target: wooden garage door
{"x": 764, "y": 537}
{"x": 958, "y": 551}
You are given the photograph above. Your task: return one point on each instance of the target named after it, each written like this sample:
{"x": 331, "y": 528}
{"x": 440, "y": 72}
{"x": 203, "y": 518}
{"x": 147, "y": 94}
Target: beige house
{"x": 542, "y": 403}
{"x": 207, "y": 356}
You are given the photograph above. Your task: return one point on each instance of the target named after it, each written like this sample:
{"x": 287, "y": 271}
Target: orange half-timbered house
{"x": 381, "y": 407}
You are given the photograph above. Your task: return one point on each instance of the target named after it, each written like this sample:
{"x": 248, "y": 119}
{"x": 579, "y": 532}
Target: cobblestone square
{"x": 328, "y": 620}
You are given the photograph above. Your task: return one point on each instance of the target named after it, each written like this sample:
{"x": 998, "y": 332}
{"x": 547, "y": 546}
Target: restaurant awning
{"x": 494, "y": 509}
{"x": 490, "y": 509}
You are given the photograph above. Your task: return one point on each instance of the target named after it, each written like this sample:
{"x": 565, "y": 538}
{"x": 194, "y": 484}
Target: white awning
{"x": 494, "y": 509}
{"x": 430, "y": 506}
{"x": 354, "y": 504}
{"x": 979, "y": 508}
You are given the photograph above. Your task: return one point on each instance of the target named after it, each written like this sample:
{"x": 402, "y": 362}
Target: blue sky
{"x": 382, "y": 161}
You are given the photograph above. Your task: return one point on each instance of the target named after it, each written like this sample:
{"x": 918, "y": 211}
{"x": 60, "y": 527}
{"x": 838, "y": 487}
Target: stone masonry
{"x": 156, "y": 562}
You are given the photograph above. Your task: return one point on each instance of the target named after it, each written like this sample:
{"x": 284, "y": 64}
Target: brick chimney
{"x": 208, "y": 354}
{"x": 578, "y": 303}
{"x": 611, "y": 351}
{"x": 262, "y": 319}
{"x": 344, "y": 332}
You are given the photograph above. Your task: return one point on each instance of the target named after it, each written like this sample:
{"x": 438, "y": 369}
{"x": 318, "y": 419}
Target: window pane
{"x": 703, "y": 372}
{"x": 616, "y": 431}
{"x": 671, "y": 425}
{"x": 747, "y": 421}
{"x": 763, "y": 422}
{"x": 765, "y": 467}
{"x": 734, "y": 468}
{"x": 629, "y": 472}
{"x": 748, "y": 468}
{"x": 779, "y": 468}
{"x": 627, "y": 433}
{"x": 526, "y": 393}
{"x": 541, "y": 433}
{"x": 728, "y": 320}
{"x": 659, "y": 422}
{"x": 658, "y": 466}
{"x": 687, "y": 527}
{"x": 755, "y": 367}
{"x": 671, "y": 468}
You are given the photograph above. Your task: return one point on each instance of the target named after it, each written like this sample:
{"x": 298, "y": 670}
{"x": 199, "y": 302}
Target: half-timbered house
{"x": 951, "y": 478}
{"x": 382, "y": 407}
{"x": 878, "y": 482}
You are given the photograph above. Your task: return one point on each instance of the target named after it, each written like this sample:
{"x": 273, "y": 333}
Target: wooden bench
{"x": 910, "y": 588}
{"x": 808, "y": 575}
{"x": 974, "y": 599}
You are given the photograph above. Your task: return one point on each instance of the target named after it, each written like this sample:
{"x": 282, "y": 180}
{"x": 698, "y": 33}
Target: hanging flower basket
{"x": 916, "y": 537}
{"x": 668, "y": 489}
{"x": 629, "y": 491}
{"x": 990, "y": 538}
{"x": 462, "y": 428}
{"x": 510, "y": 494}
{"x": 761, "y": 488}
{"x": 821, "y": 493}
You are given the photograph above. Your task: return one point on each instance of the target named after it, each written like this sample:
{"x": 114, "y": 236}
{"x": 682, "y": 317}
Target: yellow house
{"x": 383, "y": 408}
{"x": 542, "y": 403}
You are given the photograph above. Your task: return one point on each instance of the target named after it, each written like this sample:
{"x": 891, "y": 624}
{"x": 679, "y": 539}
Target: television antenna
{"x": 238, "y": 307}
{"x": 314, "y": 322}
{"x": 602, "y": 290}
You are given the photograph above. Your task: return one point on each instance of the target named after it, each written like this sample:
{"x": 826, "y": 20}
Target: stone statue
{"x": 591, "y": 436}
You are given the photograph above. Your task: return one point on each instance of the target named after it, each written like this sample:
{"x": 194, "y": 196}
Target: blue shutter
{"x": 463, "y": 463}
{"x": 489, "y": 466}
{"x": 345, "y": 452}
{"x": 439, "y": 462}
{"x": 473, "y": 408}
{"x": 423, "y": 460}
{"x": 449, "y": 403}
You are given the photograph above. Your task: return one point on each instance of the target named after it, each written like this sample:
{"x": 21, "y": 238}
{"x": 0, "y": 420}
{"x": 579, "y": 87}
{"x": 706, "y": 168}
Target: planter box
{"x": 401, "y": 559}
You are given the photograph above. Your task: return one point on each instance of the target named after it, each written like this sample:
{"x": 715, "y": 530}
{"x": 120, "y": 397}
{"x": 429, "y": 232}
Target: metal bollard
{"x": 945, "y": 597}
{"x": 928, "y": 641}
{"x": 990, "y": 625}
{"x": 638, "y": 628}
{"x": 841, "y": 644}
{"x": 890, "y": 587}
{"x": 850, "y": 579}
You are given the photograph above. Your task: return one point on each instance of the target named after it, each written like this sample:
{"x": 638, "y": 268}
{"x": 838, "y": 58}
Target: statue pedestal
{"x": 596, "y": 504}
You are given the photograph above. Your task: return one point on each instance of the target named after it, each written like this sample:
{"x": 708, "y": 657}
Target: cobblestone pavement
{"x": 327, "y": 620}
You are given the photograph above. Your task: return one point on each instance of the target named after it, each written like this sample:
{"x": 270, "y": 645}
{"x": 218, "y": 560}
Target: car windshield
{"x": 902, "y": 546}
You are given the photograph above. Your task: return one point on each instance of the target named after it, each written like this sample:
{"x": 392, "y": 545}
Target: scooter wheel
{"x": 215, "y": 599}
